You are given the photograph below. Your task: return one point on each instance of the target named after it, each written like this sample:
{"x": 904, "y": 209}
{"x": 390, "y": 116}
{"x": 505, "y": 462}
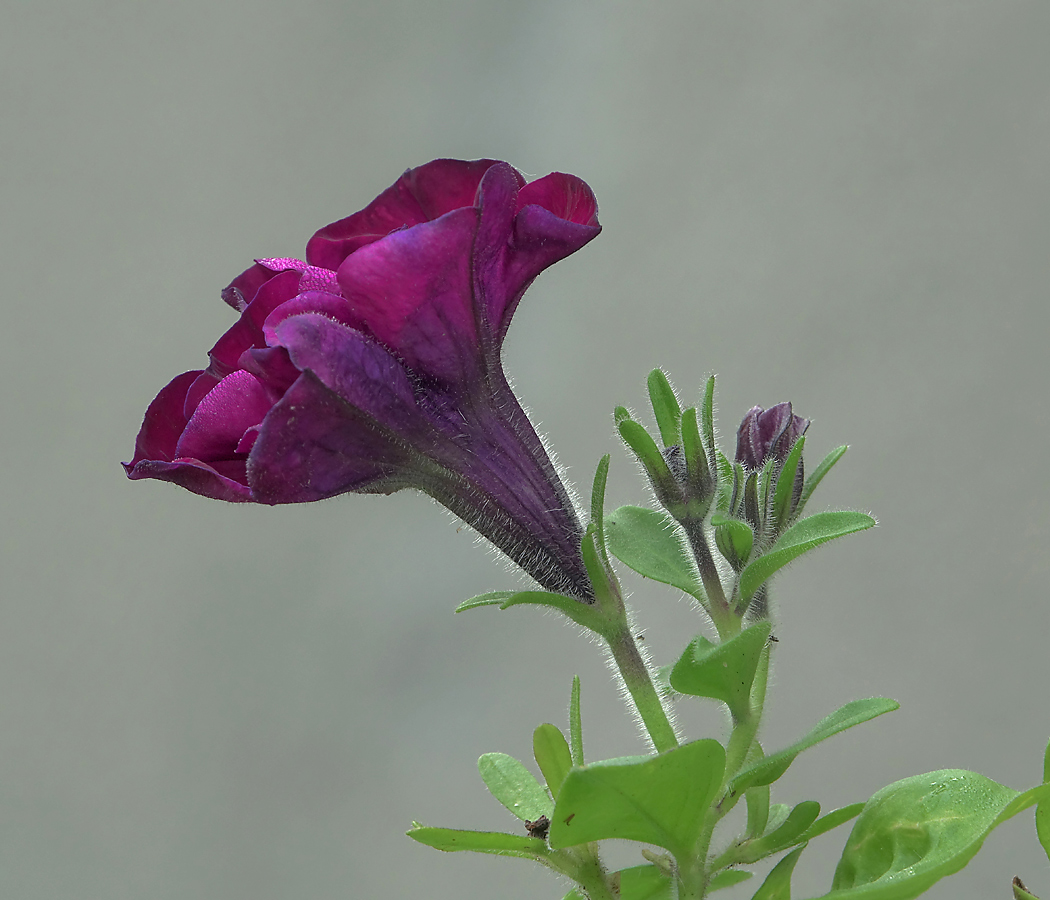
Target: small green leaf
{"x": 915, "y": 832}
{"x": 649, "y": 542}
{"x": 451, "y": 840}
{"x": 1042, "y": 811}
{"x": 601, "y": 476}
{"x": 658, "y": 800}
{"x": 777, "y": 885}
{"x": 724, "y": 493}
{"x": 832, "y": 820}
{"x": 817, "y": 475}
{"x": 575, "y": 894}
{"x": 665, "y": 407}
{"x": 644, "y": 883}
{"x": 493, "y": 598}
{"x": 514, "y": 786}
{"x": 770, "y": 768}
{"x": 575, "y": 723}
{"x": 788, "y": 834}
{"x": 723, "y": 671}
{"x": 644, "y": 447}
{"x": 757, "y": 799}
{"x": 552, "y": 756}
{"x": 734, "y": 539}
{"x": 621, "y": 414}
{"x": 697, "y": 466}
{"x": 785, "y": 488}
{"x": 727, "y": 878}
{"x": 800, "y": 537}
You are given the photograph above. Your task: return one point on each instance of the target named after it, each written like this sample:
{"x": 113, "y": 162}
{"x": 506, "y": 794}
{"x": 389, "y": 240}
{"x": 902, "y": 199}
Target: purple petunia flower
{"x": 768, "y": 433}
{"x": 374, "y": 365}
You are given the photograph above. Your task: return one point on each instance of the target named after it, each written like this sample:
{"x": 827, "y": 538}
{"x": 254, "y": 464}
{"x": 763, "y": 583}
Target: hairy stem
{"x": 639, "y": 684}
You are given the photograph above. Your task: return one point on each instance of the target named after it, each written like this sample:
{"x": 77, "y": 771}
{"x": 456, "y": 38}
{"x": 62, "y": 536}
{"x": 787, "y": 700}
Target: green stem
{"x": 591, "y": 875}
{"x": 639, "y": 684}
{"x": 712, "y": 581}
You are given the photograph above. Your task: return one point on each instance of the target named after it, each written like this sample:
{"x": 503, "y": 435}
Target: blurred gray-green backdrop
{"x": 844, "y": 204}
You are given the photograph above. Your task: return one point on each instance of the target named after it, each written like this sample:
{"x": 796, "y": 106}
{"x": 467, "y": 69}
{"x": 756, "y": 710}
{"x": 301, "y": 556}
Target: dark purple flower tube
{"x": 768, "y": 433}
{"x": 374, "y": 365}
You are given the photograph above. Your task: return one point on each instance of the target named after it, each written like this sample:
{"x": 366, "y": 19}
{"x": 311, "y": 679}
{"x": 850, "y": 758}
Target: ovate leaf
{"x": 777, "y": 885}
{"x": 915, "y": 832}
{"x": 514, "y": 786}
{"x": 658, "y": 800}
{"x": 722, "y": 671}
{"x": 799, "y": 538}
{"x": 648, "y": 541}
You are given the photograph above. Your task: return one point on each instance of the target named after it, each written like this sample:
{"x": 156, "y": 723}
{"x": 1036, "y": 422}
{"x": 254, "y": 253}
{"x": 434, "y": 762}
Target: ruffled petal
{"x": 413, "y": 292}
{"x": 233, "y": 406}
{"x": 421, "y": 194}
{"x": 164, "y": 421}
{"x": 247, "y": 330}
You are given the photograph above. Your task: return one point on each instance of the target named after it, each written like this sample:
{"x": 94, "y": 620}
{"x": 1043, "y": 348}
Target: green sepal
{"x": 1042, "y": 811}
{"x": 722, "y": 671}
{"x": 707, "y": 420}
{"x": 452, "y": 840}
{"x": 514, "y": 786}
{"x": 817, "y": 475}
{"x": 644, "y": 447}
{"x": 492, "y": 598}
{"x": 784, "y": 491}
{"x": 734, "y": 539}
{"x": 697, "y": 468}
{"x": 788, "y": 834}
{"x": 726, "y": 481}
{"x": 660, "y": 800}
{"x": 915, "y": 832}
{"x": 601, "y": 477}
{"x": 665, "y": 407}
{"x": 777, "y": 885}
{"x": 581, "y": 613}
{"x": 770, "y": 768}
{"x": 575, "y": 723}
{"x": 798, "y": 539}
{"x": 552, "y": 756}
{"x": 752, "y": 507}
{"x": 832, "y": 820}
{"x": 650, "y": 542}
{"x": 621, "y": 414}
{"x": 575, "y": 894}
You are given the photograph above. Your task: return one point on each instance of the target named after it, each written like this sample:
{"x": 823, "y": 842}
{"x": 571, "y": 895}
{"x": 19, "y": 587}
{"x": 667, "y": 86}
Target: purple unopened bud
{"x": 768, "y": 434}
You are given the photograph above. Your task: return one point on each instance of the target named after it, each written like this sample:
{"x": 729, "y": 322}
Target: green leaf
{"x": 601, "y": 476}
{"x": 644, "y": 883}
{"x": 757, "y": 799}
{"x": 644, "y": 447}
{"x": 785, "y": 488}
{"x": 1021, "y": 892}
{"x": 665, "y": 407}
{"x": 915, "y": 832}
{"x": 649, "y": 542}
{"x": 514, "y": 786}
{"x": 452, "y": 840}
{"x": 726, "y": 482}
{"x": 697, "y": 466}
{"x": 727, "y": 878}
{"x": 575, "y": 723}
{"x": 798, "y": 820}
{"x": 817, "y": 476}
{"x": 658, "y": 800}
{"x": 770, "y": 768}
{"x": 493, "y": 598}
{"x": 575, "y": 894}
{"x": 832, "y": 820}
{"x": 734, "y": 539}
{"x": 777, "y": 885}
{"x": 1042, "y": 811}
{"x": 552, "y": 756}
{"x": 723, "y": 671}
{"x": 800, "y": 537}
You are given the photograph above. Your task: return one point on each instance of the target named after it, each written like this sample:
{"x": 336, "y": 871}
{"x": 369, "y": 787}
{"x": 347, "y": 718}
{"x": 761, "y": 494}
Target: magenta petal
{"x": 566, "y": 196}
{"x": 164, "y": 421}
{"x": 419, "y": 195}
{"x": 332, "y": 306}
{"x": 314, "y": 445}
{"x": 413, "y": 291}
{"x": 247, "y": 330}
{"x": 233, "y": 406}
{"x": 198, "y": 477}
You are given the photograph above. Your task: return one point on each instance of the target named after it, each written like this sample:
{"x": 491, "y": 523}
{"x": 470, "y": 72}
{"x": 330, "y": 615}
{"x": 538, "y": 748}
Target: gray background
{"x": 842, "y": 204}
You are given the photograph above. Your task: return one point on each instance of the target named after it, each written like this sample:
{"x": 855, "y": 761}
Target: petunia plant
{"x": 374, "y": 365}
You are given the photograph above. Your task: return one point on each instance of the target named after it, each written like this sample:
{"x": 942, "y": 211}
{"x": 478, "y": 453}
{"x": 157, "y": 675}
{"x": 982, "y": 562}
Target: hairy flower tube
{"x": 374, "y": 365}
